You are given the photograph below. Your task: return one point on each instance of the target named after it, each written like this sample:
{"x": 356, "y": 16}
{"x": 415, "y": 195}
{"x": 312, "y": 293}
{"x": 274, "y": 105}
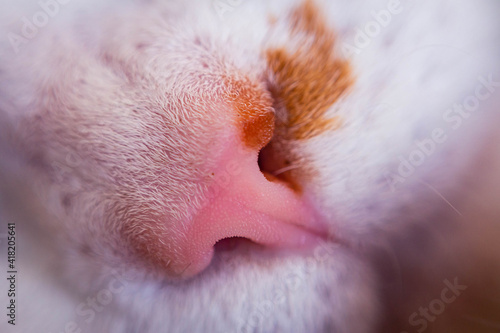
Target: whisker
{"x": 285, "y": 169}
{"x": 441, "y": 196}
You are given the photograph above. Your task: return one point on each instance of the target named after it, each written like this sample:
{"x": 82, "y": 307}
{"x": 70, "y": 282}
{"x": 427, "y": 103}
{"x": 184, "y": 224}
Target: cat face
{"x": 178, "y": 170}
{"x": 154, "y": 131}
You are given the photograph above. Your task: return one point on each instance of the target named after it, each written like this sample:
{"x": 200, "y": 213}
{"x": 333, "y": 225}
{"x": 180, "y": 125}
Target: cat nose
{"x": 244, "y": 202}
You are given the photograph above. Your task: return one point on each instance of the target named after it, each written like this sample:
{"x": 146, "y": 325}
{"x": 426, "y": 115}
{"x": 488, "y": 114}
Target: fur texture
{"x": 113, "y": 114}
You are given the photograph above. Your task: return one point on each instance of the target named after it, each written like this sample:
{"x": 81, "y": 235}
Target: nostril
{"x": 232, "y": 243}
{"x": 263, "y": 164}
{"x": 277, "y": 167}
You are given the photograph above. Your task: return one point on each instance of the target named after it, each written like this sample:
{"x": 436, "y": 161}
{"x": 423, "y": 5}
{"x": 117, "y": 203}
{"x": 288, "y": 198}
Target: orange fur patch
{"x": 255, "y": 115}
{"x": 308, "y": 81}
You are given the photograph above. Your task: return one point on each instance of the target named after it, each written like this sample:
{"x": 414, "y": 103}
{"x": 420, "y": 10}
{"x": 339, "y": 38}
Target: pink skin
{"x": 246, "y": 204}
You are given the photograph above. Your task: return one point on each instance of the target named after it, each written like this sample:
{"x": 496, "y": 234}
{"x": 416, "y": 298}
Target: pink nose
{"x": 242, "y": 200}
{"x": 248, "y": 205}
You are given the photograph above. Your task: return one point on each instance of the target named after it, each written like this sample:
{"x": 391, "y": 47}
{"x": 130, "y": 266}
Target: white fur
{"x": 137, "y": 112}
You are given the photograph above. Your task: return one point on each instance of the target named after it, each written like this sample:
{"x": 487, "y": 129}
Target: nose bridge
{"x": 254, "y": 114}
